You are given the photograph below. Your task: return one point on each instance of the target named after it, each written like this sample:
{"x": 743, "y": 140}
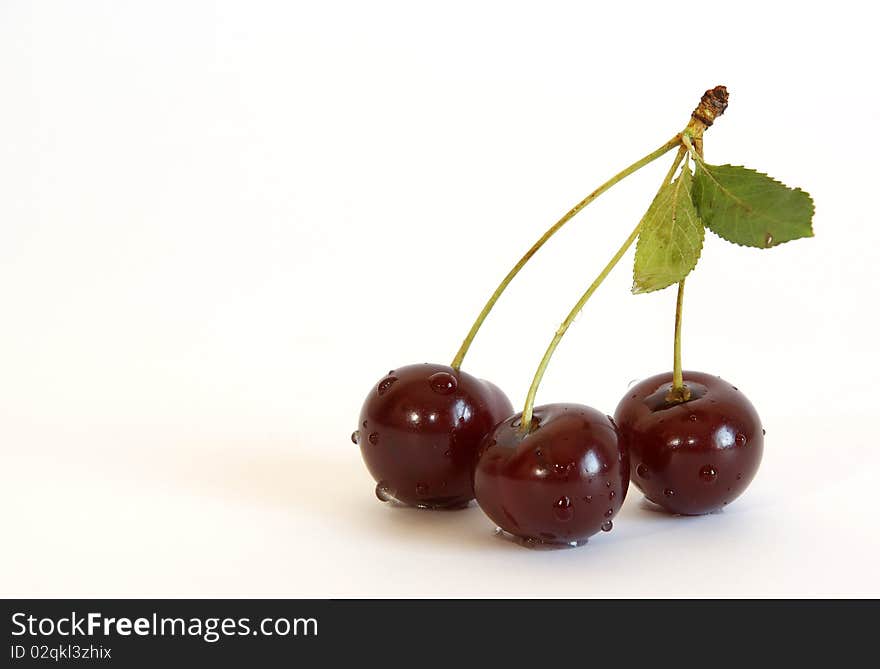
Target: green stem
{"x": 462, "y": 351}
{"x": 679, "y": 392}
{"x": 526, "y": 422}
{"x": 696, "y": 155}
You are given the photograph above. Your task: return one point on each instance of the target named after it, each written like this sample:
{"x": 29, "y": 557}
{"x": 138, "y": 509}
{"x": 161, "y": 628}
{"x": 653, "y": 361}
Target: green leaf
{"x": 671, "y": 237}
{"x": 749, "y": 208}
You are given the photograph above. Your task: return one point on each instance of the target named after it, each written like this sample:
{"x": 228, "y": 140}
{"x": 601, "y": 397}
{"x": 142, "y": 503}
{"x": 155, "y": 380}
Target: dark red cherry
{"x": 419, "y": 431}
{"x": 693, "y": 457}
{"x": 560, "y": 483}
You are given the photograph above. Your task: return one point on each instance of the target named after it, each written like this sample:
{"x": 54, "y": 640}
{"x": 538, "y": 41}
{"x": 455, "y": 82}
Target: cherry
{"x": 561, "y": 482}
{"x": 419, "y": 431}
{"x": 690, "y": 457}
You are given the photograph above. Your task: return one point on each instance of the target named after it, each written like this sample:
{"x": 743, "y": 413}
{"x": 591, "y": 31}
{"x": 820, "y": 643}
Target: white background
{"x": 221, "y": 223}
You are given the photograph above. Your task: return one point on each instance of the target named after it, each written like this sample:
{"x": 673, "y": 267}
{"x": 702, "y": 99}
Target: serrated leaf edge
{"x": 733, "y": 197}
{"x": 640, "y": 290}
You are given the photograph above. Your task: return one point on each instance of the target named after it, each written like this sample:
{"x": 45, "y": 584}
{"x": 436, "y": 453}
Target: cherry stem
{"x": 679, "y": 392}
{"x": 651, "y": 157}
{"x": 694, "y": 153}
{"x": 526, "y": 423}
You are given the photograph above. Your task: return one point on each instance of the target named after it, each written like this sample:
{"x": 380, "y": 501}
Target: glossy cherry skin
{"x": 419, "y": 431}
{"x": 560, "y": 483}
{"x": 693, "y": 457}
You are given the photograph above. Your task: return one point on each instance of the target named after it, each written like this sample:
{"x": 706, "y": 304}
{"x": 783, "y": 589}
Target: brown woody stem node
{"x": 712, "y": 105}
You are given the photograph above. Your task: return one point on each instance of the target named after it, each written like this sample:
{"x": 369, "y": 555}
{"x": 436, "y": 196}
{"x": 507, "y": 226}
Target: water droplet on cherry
{"x": 609, "y": 513}
{"x": 443, "y": 383}
{"x": 612, "y": 495}
{"x": 763, "y": 432}
{"x": 383, "y": 492}
{"x": 693, "y": 418}
{"x": 740, "y": 439}
{"x": 385, "y": 384}
{"x": 355, "y": 437}
{"x": 643, "y": 471}
{"x": 607, "y": 525}
{"x": 562, "y": 508}
{"x": 669, "y": 492}
{"x": 373, "y": 438}
{"x": 588, "y": 499}
{"x": 708, "y": 474}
